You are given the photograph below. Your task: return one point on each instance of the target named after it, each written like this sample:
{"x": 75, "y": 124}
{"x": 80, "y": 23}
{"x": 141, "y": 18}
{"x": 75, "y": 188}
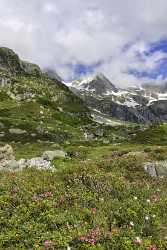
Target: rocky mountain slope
{"x": 147, "y": 104}
{"x": 35, "y": 106}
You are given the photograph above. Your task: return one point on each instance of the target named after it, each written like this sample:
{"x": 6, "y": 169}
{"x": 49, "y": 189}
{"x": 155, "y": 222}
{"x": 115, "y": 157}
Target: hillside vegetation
{"x": 98, "y": 196}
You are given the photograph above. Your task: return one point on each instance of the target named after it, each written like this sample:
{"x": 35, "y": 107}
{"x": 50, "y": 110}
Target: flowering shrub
{"x": 47, "y": 243}
{"x": 84, "y": 207}
{"x": 152, "y": 247}
{"x": 91, "y": 237}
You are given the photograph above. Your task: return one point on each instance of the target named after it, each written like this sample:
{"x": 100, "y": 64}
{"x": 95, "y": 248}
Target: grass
{"x": 88, "y": 203}
{"x": 99, "y": 197}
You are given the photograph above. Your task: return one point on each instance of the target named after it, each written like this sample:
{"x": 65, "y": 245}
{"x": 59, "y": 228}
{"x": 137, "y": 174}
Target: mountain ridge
{"x": 145, "y": 104}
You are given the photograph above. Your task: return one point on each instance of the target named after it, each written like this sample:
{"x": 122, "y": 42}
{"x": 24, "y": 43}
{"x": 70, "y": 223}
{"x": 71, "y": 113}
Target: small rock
{"x": 55, "y": 145}
{"x": 2, "y": 134}
{"x": 2, "y": 125}
{"x": 33, "y": 135}
{"x": 17, "y": 131}
{"x": 106, "y": 141}
{"x": 88, "y": 136}
{"x": 60, "y": 109}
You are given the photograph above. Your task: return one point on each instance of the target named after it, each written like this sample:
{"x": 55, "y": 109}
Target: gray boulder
{"x": 12, "y": 165}
{"x": 8, "y": 162}
{"x": 7, "y": 159}
{"x": 2, "y": 125}
{"x": 150, "y": 168}
{"x": 156, "y": 168}
{"x": 6, "y": 153}
{"x": 138, "y": 154}
{"x": 51, "y": 155}
{"x": 37, "y": 162}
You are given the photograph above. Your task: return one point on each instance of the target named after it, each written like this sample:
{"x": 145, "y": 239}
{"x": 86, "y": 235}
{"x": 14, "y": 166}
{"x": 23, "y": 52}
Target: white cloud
{"x": 62, "y": 32}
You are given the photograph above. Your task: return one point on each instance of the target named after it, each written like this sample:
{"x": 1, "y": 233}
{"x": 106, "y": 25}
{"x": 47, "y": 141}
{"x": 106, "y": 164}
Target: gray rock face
{"x": 51, "y": 155}
{"x": 31, "y": 69}
{"x": 156, "y": 169}
{"x": 139, "y": 114}
{"x": 11, "y": 63}
{"x": 146, "y": 105}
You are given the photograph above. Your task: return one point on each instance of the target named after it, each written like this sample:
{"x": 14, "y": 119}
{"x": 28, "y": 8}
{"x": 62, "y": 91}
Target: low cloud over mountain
{"x": 125, "y": 40}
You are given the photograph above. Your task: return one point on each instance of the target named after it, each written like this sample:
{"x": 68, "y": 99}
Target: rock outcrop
{"x": 7, "y": 158}
{"x": 11, "y": 63}
{"x": 156, "y": 168}
{"x": 9, "y": 163}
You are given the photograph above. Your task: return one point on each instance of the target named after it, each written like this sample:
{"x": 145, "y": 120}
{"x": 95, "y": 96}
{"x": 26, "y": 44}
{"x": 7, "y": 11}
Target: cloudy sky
{"x": 124, "y": 39}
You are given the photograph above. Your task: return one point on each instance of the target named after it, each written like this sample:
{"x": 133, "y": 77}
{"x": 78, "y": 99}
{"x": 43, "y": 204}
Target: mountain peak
{"x": 98, "y": 84}
{"x": 11, "y": 63}
{"x": 100, "y": 76}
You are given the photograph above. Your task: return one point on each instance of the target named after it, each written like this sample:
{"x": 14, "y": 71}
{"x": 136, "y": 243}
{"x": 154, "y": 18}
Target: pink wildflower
{"x": 62, "y": 199}
{"x": 91, "y": 237}
{"x": 46, "y": 194}
{"x": 94, "y": 210}
{"x": 82, "y": 238}
{"x": 152, "y": 247}
{"x": 47, "y": 243}
{"x": 137, "y": 241}
{"x": 154, "y": 198}
{"x": 131, "y": 225}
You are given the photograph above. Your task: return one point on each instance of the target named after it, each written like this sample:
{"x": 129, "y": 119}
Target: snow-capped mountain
{"x": 147, "y": 103}
{"x": 98, "y": 85}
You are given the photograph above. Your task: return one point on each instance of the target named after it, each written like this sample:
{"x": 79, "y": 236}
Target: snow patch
{"x": 131, "y": 103}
